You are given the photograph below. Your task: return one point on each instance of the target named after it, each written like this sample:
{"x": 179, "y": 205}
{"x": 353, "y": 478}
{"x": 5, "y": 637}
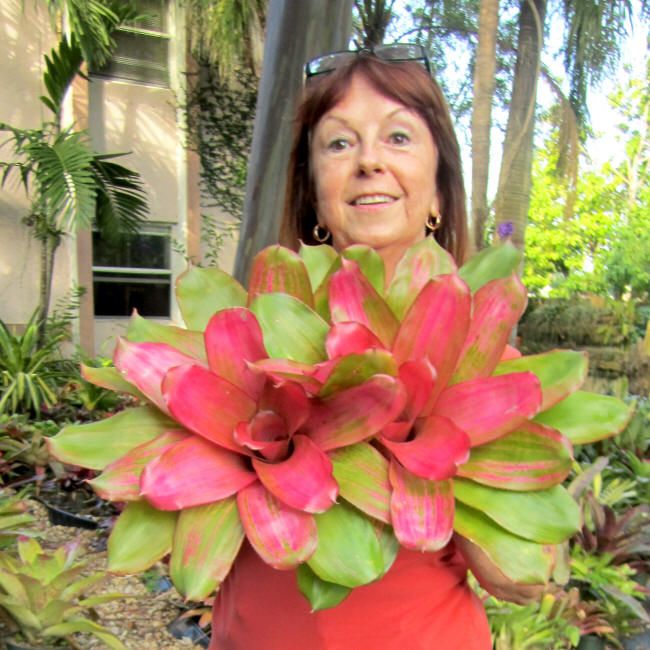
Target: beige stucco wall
{"x": 26, "y": 35}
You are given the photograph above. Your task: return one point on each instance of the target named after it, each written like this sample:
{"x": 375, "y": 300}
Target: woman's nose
{"x": 370, "y": 159}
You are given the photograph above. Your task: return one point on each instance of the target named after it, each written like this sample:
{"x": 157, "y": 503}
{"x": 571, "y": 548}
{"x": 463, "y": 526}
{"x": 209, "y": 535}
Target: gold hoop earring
{"x": 433, "y": 222}
{"x": 321, "y": 234}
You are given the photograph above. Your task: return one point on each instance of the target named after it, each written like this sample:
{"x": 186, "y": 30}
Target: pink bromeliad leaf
{"x": 354, "y": 369}
{"x": 496, "y": 308}
{"x": 207, "y": 404}
{"x": 419, "y": 379}
{"x": 436, "y": 450}
{"x": 193, "y": 472}
{"x": 510, "y": 352}
{"x": 233, "y": 339}
{"x": 266, "y": 433}
{"x": 489, "y": 407}
{"x": 145, "y": 366}
{"x": 304, "y": 480}
{"x": 120, "y": 481}
{"x": 422, "y": 511}
{"x": 439, "y": 314}
{"x": 349, "y": 337}
{"x": 288, "y": 399}
{"x": 282, "y": 536}
{"x": 353, "y": 298}
{"x": 355, "y": 414}
{"x": 110, "y": 378}
{"x": 533, "y": 457}
{"x": 287, "y": 370}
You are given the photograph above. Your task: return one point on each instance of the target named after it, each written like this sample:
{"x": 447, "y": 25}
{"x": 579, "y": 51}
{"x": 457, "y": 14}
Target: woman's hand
{"x": 492, "y": 579}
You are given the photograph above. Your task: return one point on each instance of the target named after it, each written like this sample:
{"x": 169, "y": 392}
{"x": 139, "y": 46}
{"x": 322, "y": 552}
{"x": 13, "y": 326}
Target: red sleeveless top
{"x": 422, "y": 603}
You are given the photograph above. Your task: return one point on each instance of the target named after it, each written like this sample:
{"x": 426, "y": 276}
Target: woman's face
{"x": 374, "y": 163}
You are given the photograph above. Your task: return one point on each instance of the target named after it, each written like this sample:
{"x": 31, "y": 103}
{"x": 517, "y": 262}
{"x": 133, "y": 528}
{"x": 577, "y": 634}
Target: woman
{"x": 376, "y": 162}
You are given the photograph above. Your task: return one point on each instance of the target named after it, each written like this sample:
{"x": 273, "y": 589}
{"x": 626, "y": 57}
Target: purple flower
{"x": 505, "y": 229}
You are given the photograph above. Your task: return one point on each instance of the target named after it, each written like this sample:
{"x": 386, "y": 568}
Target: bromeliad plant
{"x": 329, "y": 419}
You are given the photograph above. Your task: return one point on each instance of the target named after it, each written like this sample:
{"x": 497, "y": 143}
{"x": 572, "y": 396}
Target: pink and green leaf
{"x": 420, "y": 263}
{"x": 304, "y": 480}
{"x": 141, "y": 330}
{"x": 207, "y": 404}
{"x": 547, "y": 516}
{"x": 280, "y": 370}
{"x": 318, "y": 261}
{"x": 505, "y": 403}
{"x": 233, "y": 340}
{"x": 355, "y": 414}
{"x": 349, "y": 552}
{"x": 280, "y": 270}
{"x": 350, "y": 338}
{"x": 193, "y": 472}
{"x": 370, "y": 264}
{"x": 533, "y": 457}
{"x": 353, "y": 298}
{"x": 419, "y": 380}
{"x": 519, "y": 559}
{"x": 441, "y": 312}
{"x": 422, "y": 511}
{"x": 146, "y": 364}
{"x": 100, "y": 443}
{"x": 355, "y": 369}
{"x": 320, "y": 594}
{"x": 109, "y": 377}
{"x": 206, "y": 542}
{"x": 201, "y": 292}
{"x": 120, "y": 481}
{"x": 560, "y": 372}
{"x": 289, "y": 400}
{"x": 496, "y": 308}
{"x": 587, "y": 417}
{"x": 141, "y": 536}
{"x": 435, "y": 451}
{"x": 291, "y": 329}
{"x": 282, "y": 536}
{"x": 362, "y": 475}
{"x": 491, "y": 263}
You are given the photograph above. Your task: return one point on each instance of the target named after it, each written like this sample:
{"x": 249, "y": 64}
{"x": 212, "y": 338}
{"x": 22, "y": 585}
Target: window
{"x": 142, "y": 52}
{"x": 134, "y": 274}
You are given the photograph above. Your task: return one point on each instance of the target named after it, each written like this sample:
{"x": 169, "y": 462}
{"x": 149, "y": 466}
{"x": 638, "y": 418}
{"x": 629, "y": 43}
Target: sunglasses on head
{"x": 397, "y": 53}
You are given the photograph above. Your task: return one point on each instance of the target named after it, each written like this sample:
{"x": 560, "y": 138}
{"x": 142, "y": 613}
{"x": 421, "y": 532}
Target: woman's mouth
{"x": 373, "y": 199}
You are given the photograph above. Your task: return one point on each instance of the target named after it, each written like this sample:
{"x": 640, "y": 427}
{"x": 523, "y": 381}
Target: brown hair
{"x": 411, "y": 85}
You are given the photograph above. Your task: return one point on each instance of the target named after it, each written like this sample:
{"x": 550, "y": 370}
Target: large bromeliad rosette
{"x": 329, "y": 420}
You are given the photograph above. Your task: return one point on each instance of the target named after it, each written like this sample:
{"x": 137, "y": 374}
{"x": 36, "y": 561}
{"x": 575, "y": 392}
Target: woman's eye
{"x": 338, "y": 144}
{"x": 399, "y": 138}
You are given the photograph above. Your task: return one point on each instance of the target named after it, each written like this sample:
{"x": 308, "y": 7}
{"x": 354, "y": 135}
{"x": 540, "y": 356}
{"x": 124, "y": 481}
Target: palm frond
{"x": 63, "y": 173}
{"x": 121, "y": 197}
{"x": 61, "y": 67}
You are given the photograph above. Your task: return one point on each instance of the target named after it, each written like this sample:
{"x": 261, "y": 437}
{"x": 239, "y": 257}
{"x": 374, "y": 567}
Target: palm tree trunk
{"x": 296, "y": 32}
{"x": 482, "y": 113}
{"x": 513, "y": 195}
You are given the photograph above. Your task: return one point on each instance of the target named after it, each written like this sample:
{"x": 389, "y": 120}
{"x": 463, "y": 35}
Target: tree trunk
{"x": 513, "y": 195}
{"x": 297, "y": 30}
{"x": 482, "y": 115}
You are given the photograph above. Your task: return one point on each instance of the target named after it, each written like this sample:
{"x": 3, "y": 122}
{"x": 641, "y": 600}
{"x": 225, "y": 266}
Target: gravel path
{"x": 140, "y": 621}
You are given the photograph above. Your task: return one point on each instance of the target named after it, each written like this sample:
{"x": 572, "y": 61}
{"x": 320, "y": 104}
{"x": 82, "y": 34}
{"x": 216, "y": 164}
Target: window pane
{"x": 119, "y": 295}
{"x": 141, "y": 251}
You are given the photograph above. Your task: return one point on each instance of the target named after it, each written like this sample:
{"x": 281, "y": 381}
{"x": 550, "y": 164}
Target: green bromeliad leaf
{"x": 354, "y": 369}
{"x": 491, "y": 263}
{"x": 419, "y": 264}
{"x": 111, "y": 378}
{"x": 547, "y": 516}
{"x": 519, "y": 559}
{"x": 141, "y": 330}
{"x": 370, "y": 263}
{"x": 202, "y": 292}
{"x": 291, "y": 329}
{"x": 587, "y": 417}
{"x": 349, "y": 552}
{"x": 319, "y": 593}
{"x": 560, "y": 372}
{"x": 97, "y": 444}
{"x": 280, "y": 270}
{"x": 318, "y": 260}
{"x": 142, "y": 535}
{"x": 206, "y": 542}
{"x": 362, "y": 474}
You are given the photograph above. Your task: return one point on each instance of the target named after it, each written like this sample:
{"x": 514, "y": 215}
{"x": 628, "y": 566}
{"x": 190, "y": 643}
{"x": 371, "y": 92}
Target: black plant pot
{"x": 187, "y": 628}
{"x": 591, "y": 642}
{"x": 60, "y": 517}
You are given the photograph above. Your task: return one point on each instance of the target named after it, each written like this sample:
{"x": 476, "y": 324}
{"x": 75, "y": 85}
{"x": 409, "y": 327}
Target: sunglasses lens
{"x": 327, "y": 62}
